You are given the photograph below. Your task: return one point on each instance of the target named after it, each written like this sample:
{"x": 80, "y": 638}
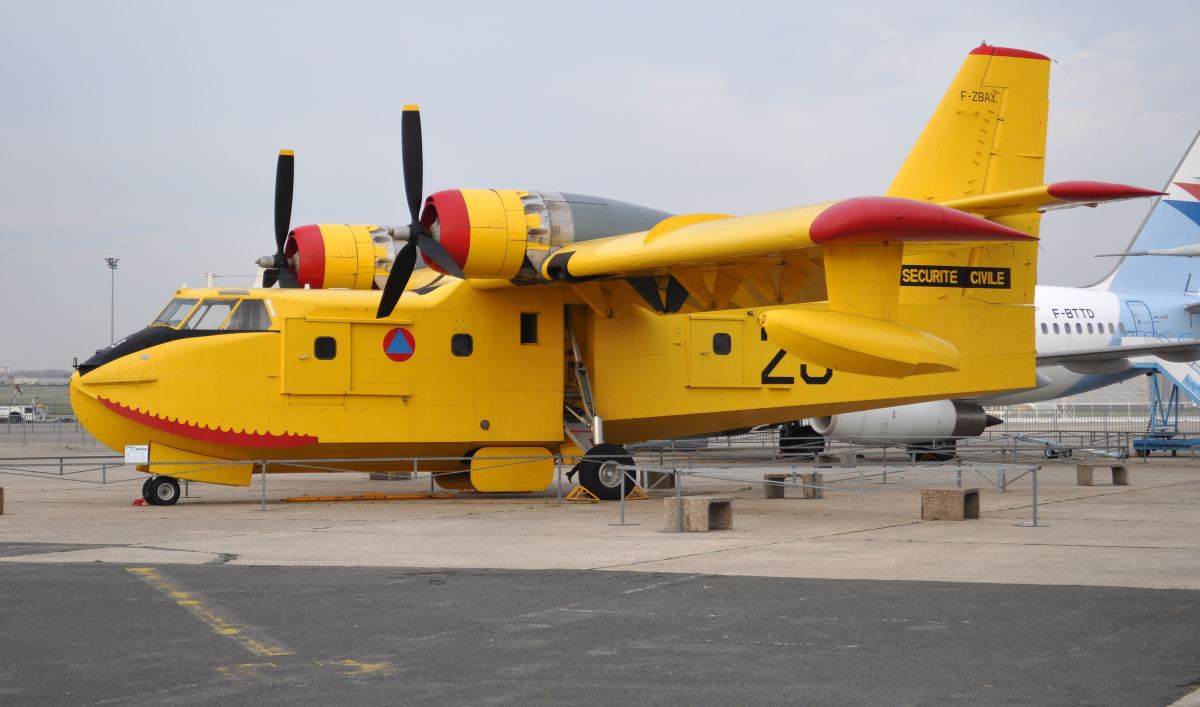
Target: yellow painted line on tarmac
{"x": 200, "y": 610}
{"x": 354, "y": 667}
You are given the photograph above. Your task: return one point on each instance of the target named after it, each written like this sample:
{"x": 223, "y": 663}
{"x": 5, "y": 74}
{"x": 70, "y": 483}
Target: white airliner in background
{"x": 1087, "y": 337}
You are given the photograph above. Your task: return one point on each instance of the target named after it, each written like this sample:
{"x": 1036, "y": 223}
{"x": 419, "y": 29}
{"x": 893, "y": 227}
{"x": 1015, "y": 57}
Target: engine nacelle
{"x": 907, "y": 424}
{"x": 491, "y": 233}
{"x": 335, "y": 255}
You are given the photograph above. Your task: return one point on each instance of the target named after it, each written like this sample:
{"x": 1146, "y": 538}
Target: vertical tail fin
{"x": 1172, "y": 224}
{"x": 988, "y": 133}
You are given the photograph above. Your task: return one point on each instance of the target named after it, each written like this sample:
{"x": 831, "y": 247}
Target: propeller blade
{"x": 270, "y": 277}
{"x": 287, "y": 279}
{"x": 402, "y": 268}
{"x": 413, "y": 160}
{"x": 439, "y": 255}
{"x": 285, "y": 173}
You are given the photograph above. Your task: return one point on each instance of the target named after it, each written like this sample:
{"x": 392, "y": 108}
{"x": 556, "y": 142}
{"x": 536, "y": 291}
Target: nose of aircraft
{"x": 137, "y": 341}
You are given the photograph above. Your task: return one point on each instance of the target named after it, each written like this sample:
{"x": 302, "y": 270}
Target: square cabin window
{"x": 462, "y": 345}
{"x": 325, "y": 348}
{"x": 722, "y": 343}
{"x": 529, "y": 327}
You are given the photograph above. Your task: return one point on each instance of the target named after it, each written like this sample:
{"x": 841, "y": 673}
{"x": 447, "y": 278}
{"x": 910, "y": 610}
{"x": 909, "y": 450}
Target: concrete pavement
{"x": 1143, "y": 535}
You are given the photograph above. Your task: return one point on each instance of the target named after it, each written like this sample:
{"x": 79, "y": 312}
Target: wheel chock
{"x": 579, "y": 493}
{"x": 637, "y": 494}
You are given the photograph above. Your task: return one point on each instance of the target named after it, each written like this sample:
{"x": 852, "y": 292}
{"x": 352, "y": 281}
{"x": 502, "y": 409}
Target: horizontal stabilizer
{"x": 1043, "y": 197}
{"x": 1183, "y": 251}
{"x": 857, "y": 344}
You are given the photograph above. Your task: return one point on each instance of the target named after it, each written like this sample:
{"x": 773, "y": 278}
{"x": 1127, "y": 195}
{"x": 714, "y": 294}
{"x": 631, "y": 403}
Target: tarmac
{"x": 847, "y": 599}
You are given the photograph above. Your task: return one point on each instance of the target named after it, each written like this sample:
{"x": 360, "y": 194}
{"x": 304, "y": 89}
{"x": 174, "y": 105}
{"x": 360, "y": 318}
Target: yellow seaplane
{"x": 550, "y": 324}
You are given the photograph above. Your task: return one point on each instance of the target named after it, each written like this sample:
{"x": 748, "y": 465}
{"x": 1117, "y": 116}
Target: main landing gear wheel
{"x": 146, "y": 489}
{"x": 938, "y": 451}
{"x": 163, "y": 491}
{"x": 797, "y": 440}
{"x": 600, "y": 471}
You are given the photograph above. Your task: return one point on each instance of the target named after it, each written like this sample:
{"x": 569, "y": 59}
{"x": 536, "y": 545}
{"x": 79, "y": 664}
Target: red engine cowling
{"x": 491, "y": 232}
{"x": 484, "y": 230}
{"x": 327, "y": 256}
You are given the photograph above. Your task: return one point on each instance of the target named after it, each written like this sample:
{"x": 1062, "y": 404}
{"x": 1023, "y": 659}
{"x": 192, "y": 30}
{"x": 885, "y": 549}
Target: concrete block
{"x": 773, "y": 485}
{"x": 394, "y": 476}
{"x": 812, "y": 485}
{"x": 828, "y": 459}
{"x": 1083, "y": 474}
{"x": 700, "y": 514}
{"x": 949, "y": 504}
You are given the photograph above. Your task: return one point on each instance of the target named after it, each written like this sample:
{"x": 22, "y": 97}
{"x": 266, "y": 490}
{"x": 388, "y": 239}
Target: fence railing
{"x": 55, "y": 432}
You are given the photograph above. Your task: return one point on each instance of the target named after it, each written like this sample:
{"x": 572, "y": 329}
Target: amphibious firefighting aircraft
{"x": 542, "y": 309}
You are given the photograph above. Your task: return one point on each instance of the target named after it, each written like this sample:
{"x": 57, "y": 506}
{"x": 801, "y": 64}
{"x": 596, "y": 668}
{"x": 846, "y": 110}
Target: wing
{"x": 772, "y": 256}
{"x": 844, "y": 257}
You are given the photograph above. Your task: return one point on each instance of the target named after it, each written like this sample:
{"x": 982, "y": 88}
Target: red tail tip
{"x": 986, "y": 48}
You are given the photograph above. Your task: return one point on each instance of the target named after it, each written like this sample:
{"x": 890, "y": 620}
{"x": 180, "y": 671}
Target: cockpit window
{"x": 175, "y": 312}
{"x": 211, "y": 314}
{"x": 250, "y": 315}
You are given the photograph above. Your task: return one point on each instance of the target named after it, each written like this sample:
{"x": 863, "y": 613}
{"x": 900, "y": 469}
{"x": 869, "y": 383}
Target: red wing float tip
{"x": 208, "y": 434}
{"x": 1097, "y": 191}
{"x": 986, "y": 48}
{"x": 873, "y": 219}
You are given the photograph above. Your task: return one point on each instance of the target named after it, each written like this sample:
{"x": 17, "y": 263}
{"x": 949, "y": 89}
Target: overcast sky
{"x": 148, "y": 130}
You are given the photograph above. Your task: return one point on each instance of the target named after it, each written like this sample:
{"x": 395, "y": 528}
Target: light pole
{"x": 112, "y": 299}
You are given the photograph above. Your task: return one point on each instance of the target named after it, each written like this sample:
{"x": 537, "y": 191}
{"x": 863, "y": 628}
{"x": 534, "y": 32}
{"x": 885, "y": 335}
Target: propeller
{"x": 277, "y": 265}
{"x": 415, "y": 235}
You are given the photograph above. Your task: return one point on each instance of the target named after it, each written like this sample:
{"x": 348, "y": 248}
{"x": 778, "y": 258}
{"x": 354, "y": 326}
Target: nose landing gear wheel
{"x": 600, "y": 471}
{"x": 163, "y": 491}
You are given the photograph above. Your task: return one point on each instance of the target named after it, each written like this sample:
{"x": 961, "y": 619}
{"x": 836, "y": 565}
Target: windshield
{"x": 211, "y": 314}
{"x": 175, "y": 312}
{"x": 250, "y": 315}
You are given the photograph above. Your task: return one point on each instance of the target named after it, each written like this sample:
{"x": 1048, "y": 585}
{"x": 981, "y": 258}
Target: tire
{"x": 599, "y": 471}
{"x": 146, "y": 489}
{"x": 164, "y": 491}
{"x": 796, "y": 440}
{"x": 937, "y": 452}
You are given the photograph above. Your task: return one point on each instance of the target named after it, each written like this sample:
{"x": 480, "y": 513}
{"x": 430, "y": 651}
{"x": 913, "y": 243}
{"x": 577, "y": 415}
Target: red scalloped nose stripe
{"x": 874, "y": 219}
{"x": 310, "y": 244}
{"x": 455, "y": 234}
{"x": 1097, "y": 191}
{"x": 986, "y": 48}
{"x": 209, "y": 434}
